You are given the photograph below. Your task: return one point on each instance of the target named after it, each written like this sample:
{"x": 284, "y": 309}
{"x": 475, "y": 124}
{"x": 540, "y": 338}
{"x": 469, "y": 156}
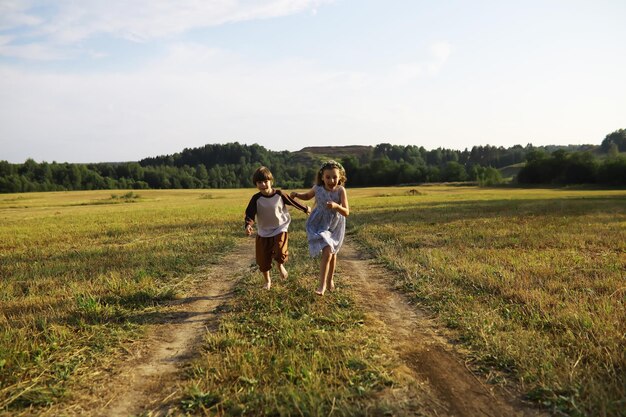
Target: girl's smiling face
{"x": 331, "y": 178}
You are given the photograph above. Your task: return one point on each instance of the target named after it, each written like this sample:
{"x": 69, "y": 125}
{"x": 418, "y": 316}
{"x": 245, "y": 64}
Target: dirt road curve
{"x": 435, "y": 377}
{"x": 152, "y": 377}
{"x": 427, "y": 358}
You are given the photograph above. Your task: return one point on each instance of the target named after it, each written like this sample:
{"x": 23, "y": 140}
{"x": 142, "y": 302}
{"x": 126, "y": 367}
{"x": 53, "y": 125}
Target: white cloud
{"x": 140, "y": 20}
{"x": 407, "y": 72}
{"x": 440, "y": 52}
{"x": 34, "y": 52}
{"x": 14, "y": 13}
{"x": 196, "y": 95}
{"x": 193, "y": 96}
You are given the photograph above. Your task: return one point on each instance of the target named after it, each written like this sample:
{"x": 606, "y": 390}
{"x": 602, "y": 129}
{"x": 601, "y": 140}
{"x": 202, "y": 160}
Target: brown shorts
{"x": 268, "y": 248}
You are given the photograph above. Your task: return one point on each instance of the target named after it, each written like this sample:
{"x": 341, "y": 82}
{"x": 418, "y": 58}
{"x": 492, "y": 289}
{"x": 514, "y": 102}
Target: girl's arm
{"x": 303, "y": 196}
{"x": 344, "y": 207}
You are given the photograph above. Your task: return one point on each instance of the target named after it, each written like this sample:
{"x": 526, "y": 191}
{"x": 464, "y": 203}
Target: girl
{"x": 326, "y": 226}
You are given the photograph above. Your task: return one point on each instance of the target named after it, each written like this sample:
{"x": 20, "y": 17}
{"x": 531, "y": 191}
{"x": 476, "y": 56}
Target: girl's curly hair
{"x": 331, "y": 164}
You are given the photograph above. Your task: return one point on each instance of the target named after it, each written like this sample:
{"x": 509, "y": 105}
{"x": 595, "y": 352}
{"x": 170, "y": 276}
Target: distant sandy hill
{"x": 335, "y": 151}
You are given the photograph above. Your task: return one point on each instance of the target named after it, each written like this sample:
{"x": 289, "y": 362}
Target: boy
{"x": 269, "y": 206}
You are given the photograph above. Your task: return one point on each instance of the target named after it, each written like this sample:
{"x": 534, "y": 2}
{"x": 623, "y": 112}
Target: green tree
{"x": 613, "y": 171}
{"x": 618, "y": 138}
{"x": 581, "y": 168}
{"x": 6, "y": 169}
{"x": 28, "y": 168}
{"x": 453, "y": 171}
{"x": 202, "y": 174}
{"x": 486, "y": 176}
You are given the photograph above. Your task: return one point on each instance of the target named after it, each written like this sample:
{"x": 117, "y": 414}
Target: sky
{"x": 115, "y": 80}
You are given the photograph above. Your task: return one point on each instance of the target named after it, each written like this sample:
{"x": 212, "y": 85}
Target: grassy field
{"x": 82, "y": 273}
{"x": 533, "y": 281}
{"x": 290, "y": 352}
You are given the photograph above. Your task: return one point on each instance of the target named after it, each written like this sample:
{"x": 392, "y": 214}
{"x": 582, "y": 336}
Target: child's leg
{"x": 263, "y": 251}
{"x": 281, "y": 252}
{"x": 330, "y": 281}
{"x": 268, "y": 280}
{"x": 283, "y": 271}
{"x": 324, "y": 269}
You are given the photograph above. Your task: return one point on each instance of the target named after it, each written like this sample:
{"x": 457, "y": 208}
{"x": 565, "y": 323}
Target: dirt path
{"x": 446, "y": 386}
{"x": 153, "y": 374}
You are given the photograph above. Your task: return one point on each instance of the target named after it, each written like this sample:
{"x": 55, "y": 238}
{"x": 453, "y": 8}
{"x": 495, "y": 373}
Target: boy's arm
{"x": 291, "y": 202}
{"x": 250, "y": 214}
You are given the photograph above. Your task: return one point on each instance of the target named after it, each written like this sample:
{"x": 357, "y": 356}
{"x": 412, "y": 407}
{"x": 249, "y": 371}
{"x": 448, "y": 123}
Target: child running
{"x": 269, "y": 207}
{"x": 326, "y": 226}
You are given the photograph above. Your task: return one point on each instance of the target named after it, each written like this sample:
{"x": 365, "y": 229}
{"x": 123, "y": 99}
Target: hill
{"x": 338, "y": 152}
{"x": 511, "y": 171}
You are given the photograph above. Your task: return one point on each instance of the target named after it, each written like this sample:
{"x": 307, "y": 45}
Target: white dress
{"x": 325, "y": 227}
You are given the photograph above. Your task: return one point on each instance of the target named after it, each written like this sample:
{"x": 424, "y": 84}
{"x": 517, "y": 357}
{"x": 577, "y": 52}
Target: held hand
{"x": 308, "y": 210}
{"x": 248, "y": 230}
{"x": 293, "y": 195}
{"x": 331, "y": 205}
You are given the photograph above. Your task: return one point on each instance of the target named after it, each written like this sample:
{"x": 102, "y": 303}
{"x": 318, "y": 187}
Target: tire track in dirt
{"x": 434, "y": 369}
{"x": 437, "y": 381}
{"x": 152, "y": 376}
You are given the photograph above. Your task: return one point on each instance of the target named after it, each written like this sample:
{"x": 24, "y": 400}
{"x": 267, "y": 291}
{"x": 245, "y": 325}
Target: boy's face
{"x": 264, "y": 186}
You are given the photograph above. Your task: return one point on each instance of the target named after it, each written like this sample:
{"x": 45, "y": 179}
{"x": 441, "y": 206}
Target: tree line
{"x": 575, "y": 168}
{"x": 561, "y": 167}
{"x": 231, "y": 166}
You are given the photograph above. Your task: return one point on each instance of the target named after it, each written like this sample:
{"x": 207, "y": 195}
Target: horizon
{"x": 109, "y": 81}
{"x": 296, "y": 151}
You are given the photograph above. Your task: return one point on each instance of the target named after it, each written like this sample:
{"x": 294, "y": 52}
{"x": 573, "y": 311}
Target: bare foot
{"x": 331, "y": 286}
{"x": 320, "y": 291}
{"x": 268, "y": 280}
{"x": 283, "y": 272}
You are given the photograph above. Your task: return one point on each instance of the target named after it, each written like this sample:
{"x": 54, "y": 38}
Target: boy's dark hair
{"x": 262, "y": 174}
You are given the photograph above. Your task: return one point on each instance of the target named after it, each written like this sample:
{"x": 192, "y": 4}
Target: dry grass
{"x": 83, "y": 272}
{"x": 290, "y": 352}
{"x": 533, "y": 280}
